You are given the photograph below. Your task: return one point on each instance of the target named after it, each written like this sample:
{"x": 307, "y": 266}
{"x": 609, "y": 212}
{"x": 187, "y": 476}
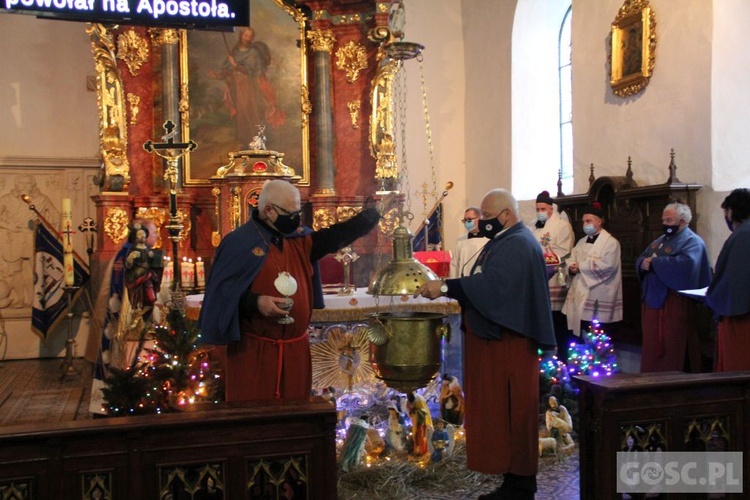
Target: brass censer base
{"x": 405, "y": 348}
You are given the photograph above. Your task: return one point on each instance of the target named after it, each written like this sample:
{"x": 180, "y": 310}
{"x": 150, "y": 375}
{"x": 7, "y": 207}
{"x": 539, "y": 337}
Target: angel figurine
{"x": 441, "y": 440}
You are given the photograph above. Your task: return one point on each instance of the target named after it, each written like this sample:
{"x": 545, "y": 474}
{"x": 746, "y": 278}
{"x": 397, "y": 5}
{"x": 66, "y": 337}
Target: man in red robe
{"x": 729, "y": 293}
{"x": 676, "y": 260}
{"x": 506, "y": 317}
{"x": 253, "y": 268}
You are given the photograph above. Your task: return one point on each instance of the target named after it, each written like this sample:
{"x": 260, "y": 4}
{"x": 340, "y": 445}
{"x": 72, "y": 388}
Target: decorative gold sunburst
{"x": 342, "y": 359}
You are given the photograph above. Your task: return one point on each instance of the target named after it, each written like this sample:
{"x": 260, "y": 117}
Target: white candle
{"x": 67, "y": 236}
{"x": 67, "y": 211}
{"x": 200, "y": 273}
{"x": 70, "y": 276}
{"x": 168, "y": 275}
{"x": 185, "y": 273}
{"x": 191, "y": 274}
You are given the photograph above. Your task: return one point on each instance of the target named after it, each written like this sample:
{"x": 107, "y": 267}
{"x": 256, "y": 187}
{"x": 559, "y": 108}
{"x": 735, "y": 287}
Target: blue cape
{"x": 512, "y": 291}
{"x": 235, "y": 264}
{"x": 682, "y": 264}
{"x": 729, "y": 293}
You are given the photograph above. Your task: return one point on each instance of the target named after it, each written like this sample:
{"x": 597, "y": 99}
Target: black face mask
{"x": 730, "y": 224}
{"x": 287, "y": 223}
{"x": 489, "y": 227}
{"x": 670, "y": 230}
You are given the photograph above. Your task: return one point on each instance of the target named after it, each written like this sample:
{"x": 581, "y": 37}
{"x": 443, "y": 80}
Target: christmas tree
{"x": 173, "y": 374}
{"x": 595, "y": 356}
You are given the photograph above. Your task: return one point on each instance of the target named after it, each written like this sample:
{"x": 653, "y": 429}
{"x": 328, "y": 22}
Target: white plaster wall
{"x": 729, "y": 95}
{"x": 436, "y": 24}
{"x": 536, "y": 97}
{"x": 729, "y": 116}
{"x": 674, "y": 111}
{"x": 48, "y": 123}
{"x": 487, "y": 27}
{"x": 45, "y": 109}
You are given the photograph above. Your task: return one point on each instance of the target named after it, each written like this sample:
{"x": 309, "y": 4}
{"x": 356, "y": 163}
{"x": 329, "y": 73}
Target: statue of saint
{"x": 143, "y": 269}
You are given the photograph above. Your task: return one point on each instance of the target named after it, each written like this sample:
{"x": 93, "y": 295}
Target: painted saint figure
{"x": 249, "y": 95}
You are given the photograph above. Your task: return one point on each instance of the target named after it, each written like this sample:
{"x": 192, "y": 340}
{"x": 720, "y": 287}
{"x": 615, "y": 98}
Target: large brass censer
{"x": 405, "y": 347}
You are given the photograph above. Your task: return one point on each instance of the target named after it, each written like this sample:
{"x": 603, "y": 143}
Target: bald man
{"x": 506, "y": 317}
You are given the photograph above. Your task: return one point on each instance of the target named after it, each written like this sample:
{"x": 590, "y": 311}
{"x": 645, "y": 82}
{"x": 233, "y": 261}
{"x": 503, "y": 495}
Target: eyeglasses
{"x": 284, "y": 211}
{"x": 467, "y": 219}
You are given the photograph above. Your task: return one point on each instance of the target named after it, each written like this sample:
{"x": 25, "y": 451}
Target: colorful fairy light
{"x": 595, "y": 356}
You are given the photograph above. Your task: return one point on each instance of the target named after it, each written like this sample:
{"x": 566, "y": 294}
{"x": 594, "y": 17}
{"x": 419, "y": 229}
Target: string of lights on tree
{"x": 172, "y": 374}
{"x": 595, "y": 356}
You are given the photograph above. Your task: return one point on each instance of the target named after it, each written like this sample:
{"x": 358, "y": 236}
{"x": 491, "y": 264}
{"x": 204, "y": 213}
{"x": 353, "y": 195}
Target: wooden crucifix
{"x": 172, "y": 152}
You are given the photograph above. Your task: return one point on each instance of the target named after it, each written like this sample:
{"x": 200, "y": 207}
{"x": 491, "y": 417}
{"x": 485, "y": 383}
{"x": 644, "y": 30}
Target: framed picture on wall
{"x": 246, "y": 88}
{"x": 633, "y": 45}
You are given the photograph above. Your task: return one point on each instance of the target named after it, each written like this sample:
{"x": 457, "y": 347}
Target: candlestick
{"x": 200, "y": 273}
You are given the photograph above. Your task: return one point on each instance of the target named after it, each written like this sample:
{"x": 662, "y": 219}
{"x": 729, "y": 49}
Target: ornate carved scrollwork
{"x": 324, "y": 217}
{"x": 113, "y": 136}
{"x": 116, "y": 224}
{"x": 351, "y": 58}
{"x": 133, "y": 50}
{"x": 382, "y": 119}
{"x": 321, "y": 40}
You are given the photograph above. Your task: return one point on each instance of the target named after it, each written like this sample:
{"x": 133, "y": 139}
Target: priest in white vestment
{"x": 555, "y": 234}
{"x": 468, "y": 246}
{"x": 595, "y": 274}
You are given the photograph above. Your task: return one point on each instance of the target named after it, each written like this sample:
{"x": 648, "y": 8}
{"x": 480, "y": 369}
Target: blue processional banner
{"x": 50, "y": 302}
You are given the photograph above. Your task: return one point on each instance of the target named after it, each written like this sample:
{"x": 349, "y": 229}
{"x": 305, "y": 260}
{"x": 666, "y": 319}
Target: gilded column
{"x": 322, "y": 44}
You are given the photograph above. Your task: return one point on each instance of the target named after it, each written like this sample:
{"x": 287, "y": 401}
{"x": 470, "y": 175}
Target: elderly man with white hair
{"x": 676, "y": 260}
{"x": 506, "y": 317}
{"x": 254, "y": 269}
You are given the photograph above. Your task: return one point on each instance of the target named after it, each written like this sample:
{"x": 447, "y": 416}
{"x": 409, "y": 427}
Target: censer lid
{"x": 404, "y": 274}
